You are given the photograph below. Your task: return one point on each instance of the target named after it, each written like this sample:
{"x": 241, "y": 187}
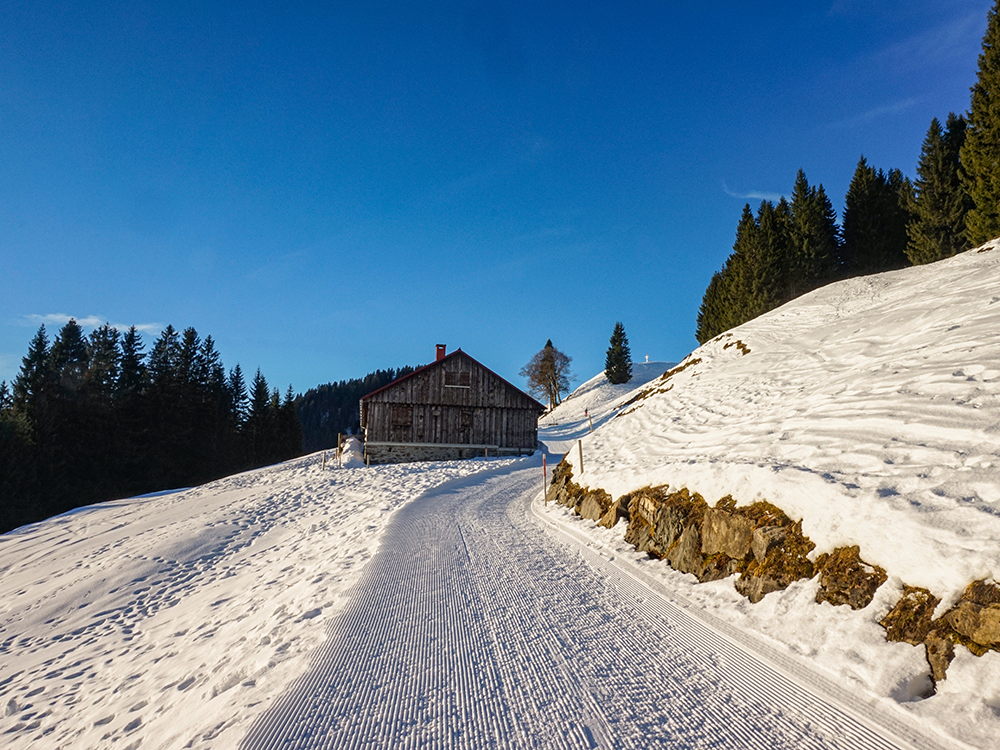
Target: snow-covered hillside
{"x": 592, "y": 405}
{"x": 870, "y": 409}
{"x": 173, "y": 620}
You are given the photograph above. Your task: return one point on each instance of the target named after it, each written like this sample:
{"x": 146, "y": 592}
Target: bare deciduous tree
{"x": 548, "y": 374}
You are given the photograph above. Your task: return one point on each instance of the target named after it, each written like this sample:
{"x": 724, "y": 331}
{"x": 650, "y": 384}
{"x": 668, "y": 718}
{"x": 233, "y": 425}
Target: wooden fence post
{"x": 579, "y": 445}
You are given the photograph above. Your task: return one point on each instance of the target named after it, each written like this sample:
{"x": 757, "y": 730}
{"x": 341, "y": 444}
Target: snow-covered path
{"x": 471, "y": 629}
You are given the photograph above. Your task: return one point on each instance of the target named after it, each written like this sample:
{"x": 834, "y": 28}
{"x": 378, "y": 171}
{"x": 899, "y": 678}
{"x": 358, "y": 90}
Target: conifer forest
{"x": 793, "y": 246}
{"x": 94, "y": 418}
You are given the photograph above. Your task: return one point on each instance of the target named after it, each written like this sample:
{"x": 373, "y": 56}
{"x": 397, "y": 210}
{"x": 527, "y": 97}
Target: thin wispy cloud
{"x": 755, "y": 195}
{"x": 88, "y": 321}
{"x": 872, "y": 115}
{"x": 950, "y": 40}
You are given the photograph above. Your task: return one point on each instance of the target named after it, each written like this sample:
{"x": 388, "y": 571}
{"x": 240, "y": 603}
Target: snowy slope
{"x": 174, "y": 620}
{"x": 599, "y": 399}
{"x": 870, "y": 409}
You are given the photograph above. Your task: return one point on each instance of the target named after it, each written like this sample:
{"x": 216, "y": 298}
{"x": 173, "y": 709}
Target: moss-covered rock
{"x": 726, "y": 532}
{"x": 844, "y": 578}
{"x": 911, "y": 619}
{"x": 769, "y": 551}
{"x": 615, "y": 513}
{"x": 940, "y": 652}
{"x": 685, "y": 554}
{"x": 643, "y": 507}
{"x": 780, "y": 557}
{"x": 562, "y": 487}
{"x": 594, "y": 504}
{"x": 765, "y": 539}
{"x": 976, "y": 617}
{"x": 658, "y": 519}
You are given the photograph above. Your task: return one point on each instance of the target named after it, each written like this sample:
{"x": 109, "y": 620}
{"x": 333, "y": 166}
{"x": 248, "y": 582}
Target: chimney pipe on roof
{"x": 441, "y": 349}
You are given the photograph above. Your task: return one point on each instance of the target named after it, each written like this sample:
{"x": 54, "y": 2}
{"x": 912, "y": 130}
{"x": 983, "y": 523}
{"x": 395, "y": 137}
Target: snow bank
{"x": 869, "y": 408}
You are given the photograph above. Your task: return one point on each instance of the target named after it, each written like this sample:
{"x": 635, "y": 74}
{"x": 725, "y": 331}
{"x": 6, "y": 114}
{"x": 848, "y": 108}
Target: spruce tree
{"x": 69, "y": 357}
{"x": 289, "y": 427}
{"x": 733, "y": 294}
{"x": 163, "y": 414}
{"x": 134, "y": 441}
{"x": 815, "y": 239}
{"x": 875, "y": 217}
{"x": 33, "y": 382}
{"x": 132, "y": 373}
{"x": 711, "y": 312}
{"x": 165, "y": 359}
{"x": 258, "y": 425}
{"x": 740, "y": 269}
{"x": 980, "y": 154}
{"x": 104, "y": 363}
{"x": 618, "y": 362}
{"x": 770, "y": 273}
{"x": 238, "y": 394}
{"x": 937, "y": 225}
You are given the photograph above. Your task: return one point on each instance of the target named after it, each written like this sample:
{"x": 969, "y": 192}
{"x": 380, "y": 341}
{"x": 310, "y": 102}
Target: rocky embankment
{"x": 767, "y": 550}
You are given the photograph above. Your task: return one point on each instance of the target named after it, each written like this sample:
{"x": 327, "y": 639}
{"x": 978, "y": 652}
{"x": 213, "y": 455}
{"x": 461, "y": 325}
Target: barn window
{"x": 466, "y": 421}
{"x": 402, "y": 416}
{"x": 458, "y": 379}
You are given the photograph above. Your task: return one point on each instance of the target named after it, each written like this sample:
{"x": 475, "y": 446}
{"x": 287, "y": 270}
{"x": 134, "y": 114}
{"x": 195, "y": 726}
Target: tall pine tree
{"x": 875, "y": 217}
{"x": 937, "y": 224}
{"x": 33, "y": 383}
{"x": 728, "y": 301}
{"x": 815, "y": 239}
{"x": 618, "y": 362}
{"x": 980, "y": 154}
{"x": 70, "y": 358}
{"x": 775, "y": 247}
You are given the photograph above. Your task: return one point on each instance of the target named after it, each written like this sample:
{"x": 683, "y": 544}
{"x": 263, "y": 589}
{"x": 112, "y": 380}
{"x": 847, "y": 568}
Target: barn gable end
{"x": 452, "y": 408}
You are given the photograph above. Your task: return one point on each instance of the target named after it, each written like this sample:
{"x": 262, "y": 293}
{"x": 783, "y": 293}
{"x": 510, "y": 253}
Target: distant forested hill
{"x": 328, "y": 410}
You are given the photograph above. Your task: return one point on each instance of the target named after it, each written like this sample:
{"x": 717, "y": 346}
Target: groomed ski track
{"x": 480, "y": 624}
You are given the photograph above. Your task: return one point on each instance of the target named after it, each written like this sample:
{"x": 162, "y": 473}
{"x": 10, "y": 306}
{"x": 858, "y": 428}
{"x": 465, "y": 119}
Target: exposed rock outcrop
{"x": 976, "y": 617}
{"x": 780, "y": 557}
{"x": 769, "y": 552}
{"x": 844, "y": 578}
{"x": 910, "y": 621}
{"x": 973, "y": 622}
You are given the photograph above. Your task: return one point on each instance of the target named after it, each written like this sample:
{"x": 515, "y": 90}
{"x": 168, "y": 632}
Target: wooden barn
{"x": 452, "y": 408}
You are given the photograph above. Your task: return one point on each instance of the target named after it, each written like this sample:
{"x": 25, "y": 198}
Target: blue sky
{"x": 331, "y": 188}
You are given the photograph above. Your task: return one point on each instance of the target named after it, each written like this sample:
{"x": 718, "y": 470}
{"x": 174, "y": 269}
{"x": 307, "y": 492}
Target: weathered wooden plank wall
{"x": 436, "y": 406}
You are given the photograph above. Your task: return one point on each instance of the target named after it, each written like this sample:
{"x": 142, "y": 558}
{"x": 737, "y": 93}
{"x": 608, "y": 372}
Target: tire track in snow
{"x": 469, "y": 630}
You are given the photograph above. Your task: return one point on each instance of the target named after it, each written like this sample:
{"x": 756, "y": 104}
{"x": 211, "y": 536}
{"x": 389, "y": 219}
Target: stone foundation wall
{"x": 768, "y": 551}
{"x": 402, "y": 453}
